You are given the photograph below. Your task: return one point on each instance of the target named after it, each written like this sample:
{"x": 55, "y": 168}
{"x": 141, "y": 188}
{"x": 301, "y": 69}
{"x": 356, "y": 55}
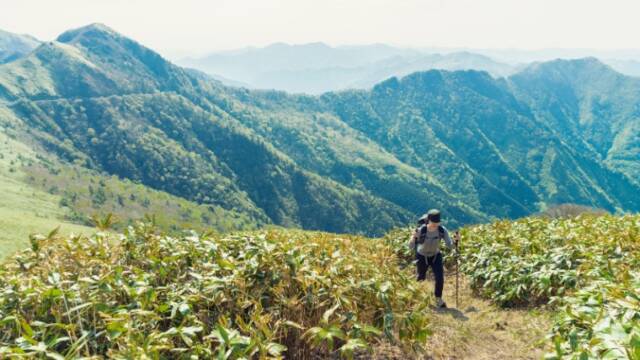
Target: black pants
{"x": 423, "y": 263}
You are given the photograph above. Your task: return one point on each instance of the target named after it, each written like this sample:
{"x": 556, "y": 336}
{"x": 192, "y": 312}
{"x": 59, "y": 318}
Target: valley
{"x": 357, "y": 161}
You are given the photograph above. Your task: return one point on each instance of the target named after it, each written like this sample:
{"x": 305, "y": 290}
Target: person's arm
{"x": 447, "y": 238}
{"x": 412, "y": 241}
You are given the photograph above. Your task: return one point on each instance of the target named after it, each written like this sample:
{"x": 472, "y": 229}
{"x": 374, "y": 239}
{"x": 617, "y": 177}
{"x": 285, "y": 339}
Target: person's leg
{"x": 438, "y": 271}
{"x": 421, "y": 267}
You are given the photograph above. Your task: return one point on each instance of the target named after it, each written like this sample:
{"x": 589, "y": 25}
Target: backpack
{"x": 422, "y": 236}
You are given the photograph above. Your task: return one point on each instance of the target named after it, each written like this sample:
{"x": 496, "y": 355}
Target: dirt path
{"x": 480, "y": 330}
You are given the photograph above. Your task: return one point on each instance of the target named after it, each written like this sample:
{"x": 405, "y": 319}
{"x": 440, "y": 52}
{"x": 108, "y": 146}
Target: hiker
{"x": 426, "y": 244}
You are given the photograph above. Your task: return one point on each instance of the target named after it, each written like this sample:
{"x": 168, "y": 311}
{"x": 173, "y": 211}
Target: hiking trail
{"x": 480, "y": 329}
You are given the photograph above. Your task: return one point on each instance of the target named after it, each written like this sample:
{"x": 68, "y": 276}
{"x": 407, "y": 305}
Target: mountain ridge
{"x": 349, "y": 161}
{"x": 14, "y": 46}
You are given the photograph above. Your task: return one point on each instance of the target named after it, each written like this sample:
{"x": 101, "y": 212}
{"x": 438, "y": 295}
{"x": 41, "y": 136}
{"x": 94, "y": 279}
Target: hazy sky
{"x": 196, "y": 26}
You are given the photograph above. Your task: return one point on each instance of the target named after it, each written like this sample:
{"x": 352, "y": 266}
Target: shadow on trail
{"x": 455, "y": 313}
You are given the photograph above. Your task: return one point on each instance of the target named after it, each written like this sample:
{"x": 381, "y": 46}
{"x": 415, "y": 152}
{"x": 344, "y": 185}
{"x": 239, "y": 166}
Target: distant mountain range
{"x": 316, "y": 68}
{"x": 476, "y": 146}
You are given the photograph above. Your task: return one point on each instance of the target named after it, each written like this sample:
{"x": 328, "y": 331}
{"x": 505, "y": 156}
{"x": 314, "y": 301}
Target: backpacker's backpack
{"x": 422, "y": 236}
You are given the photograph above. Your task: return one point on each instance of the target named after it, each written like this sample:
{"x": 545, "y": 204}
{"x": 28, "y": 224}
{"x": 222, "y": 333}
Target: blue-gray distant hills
{"x": 476, "y": 146}
{"x": 316, "y": 68}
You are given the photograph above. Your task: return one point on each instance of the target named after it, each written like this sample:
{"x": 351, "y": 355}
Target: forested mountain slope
{"x": 514, "y": 159}
{"x": 355, "y": 161}
{"x": 103, "y": 101}
{"x": 590, "y": 106}
{"x": 488, "y": 130}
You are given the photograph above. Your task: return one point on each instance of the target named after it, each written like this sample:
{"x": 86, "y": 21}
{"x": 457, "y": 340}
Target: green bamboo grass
{"x": 585, "y": 267}
{"x": 260, "y": 295}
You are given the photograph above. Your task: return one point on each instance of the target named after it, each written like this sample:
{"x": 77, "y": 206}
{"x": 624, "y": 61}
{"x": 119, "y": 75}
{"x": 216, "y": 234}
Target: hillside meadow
{"x": 26, "y": 209}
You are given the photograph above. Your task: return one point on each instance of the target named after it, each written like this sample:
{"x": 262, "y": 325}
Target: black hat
{"x": 433, "y": 215}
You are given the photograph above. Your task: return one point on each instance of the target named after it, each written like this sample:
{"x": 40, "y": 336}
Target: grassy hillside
{"x": 26, "y": 209}
{"x": 513, "y": 160}
{"x": 41, "y": 193}
{"x": 151, "y": 122}
{"x": 86, "y": 193}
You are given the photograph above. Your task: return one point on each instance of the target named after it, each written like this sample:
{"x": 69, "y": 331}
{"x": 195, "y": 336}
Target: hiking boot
{"x": 440, "y": 304}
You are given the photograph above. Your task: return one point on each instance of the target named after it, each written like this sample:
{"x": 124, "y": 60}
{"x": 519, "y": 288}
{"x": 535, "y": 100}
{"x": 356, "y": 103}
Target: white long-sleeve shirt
{"x": 431, "y": 245}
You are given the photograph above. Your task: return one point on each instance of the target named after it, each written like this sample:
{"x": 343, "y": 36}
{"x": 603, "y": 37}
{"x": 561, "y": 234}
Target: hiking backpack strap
{"x": 441, "y": 232}
{"x": 422, "y": 236}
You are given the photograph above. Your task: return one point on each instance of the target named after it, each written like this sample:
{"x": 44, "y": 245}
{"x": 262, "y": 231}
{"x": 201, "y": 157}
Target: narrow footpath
{"x": 480, "y": 330}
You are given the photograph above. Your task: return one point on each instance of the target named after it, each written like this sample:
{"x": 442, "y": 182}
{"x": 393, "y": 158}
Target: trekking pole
{"x": 457, "y": 237}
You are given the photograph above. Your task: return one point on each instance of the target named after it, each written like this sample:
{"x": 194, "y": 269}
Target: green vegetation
{"x": 205, "y": 160}
{"x": 25, "y": 210}
{"x": 146, "y": 294}
{"x": 299, "y": 294}
{"x": 481, "y": 141}
{"x": 586, "y": 267}
{"x": 126, "y": 132}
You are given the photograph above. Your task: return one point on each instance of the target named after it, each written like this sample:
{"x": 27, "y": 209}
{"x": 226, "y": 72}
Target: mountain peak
{"x": 97, "y": 26}
{"x": 98, "y": 61}
{"x": 561, "y": 72}
{"x": 54, "y": 50}
{"x": 91, "y": 30}
{"x": 568, "y": 66}
{"x": 317, "y": 44}
{"x": 286, "y": 46}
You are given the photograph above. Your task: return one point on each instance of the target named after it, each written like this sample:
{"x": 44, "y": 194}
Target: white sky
{"x": 187, "y": 27}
